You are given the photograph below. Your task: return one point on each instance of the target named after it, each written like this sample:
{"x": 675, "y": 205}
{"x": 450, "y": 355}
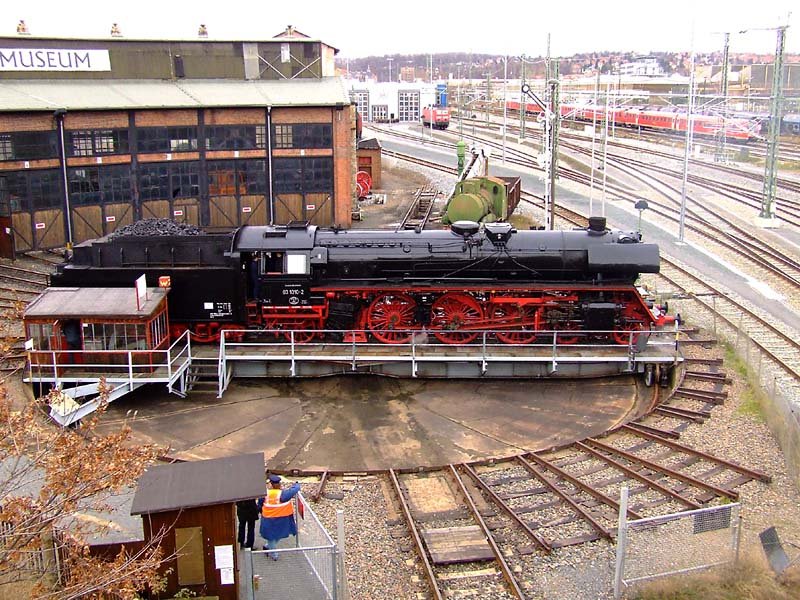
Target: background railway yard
{"x": 542, "y": 524}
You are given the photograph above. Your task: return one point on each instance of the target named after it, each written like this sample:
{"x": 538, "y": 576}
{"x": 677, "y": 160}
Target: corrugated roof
{"x": 32, "y": 95}
{"x": 202, "y": 483}
{"x": 65, "y": 303}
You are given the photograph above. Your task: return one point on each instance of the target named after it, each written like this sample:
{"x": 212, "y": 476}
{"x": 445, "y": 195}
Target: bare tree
{"x": 55, "y": 485}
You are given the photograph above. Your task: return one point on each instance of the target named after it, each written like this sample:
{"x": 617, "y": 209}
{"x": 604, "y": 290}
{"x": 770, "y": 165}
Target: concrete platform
{"x": 358, "y": 423}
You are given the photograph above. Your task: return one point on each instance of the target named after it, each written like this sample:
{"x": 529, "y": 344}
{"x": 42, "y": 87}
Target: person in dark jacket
{"x": 277, "y": 513}
{"x": 247, "y": 513}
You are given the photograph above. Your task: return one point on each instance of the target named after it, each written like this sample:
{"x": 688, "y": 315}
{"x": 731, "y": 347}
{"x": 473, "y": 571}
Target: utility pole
{"x": 721, "y": 150}
{"x": 555, "y": 117}
{"x": 770, "y": 170}
{"x": 687, "y": 149}
{"x": 605, "y": 148}
{"x": 547, "y": 70}
{"x": 594, "y": 135}
{"x": 522, "y": 104}
{"x": 547, "y": 153}
{"x": 556, "y": 108}
{"x": 505, "y": 104}
{"x": 488, "y": 96}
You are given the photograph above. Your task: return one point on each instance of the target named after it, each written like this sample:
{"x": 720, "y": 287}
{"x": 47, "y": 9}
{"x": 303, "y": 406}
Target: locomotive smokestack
{"x": 597, "y": 224}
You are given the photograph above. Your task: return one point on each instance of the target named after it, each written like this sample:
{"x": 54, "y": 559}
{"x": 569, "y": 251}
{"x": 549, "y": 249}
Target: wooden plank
{"x": 451, "y": 545}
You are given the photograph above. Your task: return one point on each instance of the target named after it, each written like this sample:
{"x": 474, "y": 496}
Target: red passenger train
{"x": 671, "y": 121}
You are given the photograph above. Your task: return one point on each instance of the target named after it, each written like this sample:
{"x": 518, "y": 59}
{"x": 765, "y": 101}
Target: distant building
{"x": 391, "y": 102}
{"x": 647, "y": 66}
{"x": 407, "y": 74}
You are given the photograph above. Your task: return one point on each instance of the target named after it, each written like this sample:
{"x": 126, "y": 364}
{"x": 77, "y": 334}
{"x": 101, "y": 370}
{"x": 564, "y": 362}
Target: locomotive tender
{"x": 298, "y": 279}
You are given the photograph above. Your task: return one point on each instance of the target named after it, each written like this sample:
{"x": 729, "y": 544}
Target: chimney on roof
{"x": 115, "y": 32}
{"x": 22, "y": 28}
{"x": 202, "y": 31}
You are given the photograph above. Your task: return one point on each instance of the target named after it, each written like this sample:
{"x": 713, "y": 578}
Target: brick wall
{"x": 301, "y": 115}
{"x": 159, "y": 118}
{"x": 27, "y": 121}
{"x": 96, "y": 120}
{"x": 235, "y": 116}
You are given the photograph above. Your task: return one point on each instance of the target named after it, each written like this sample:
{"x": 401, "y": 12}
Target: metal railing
{"x": 60, "y": 366}
{"x": 306, "y": 570}
{"x": 551, "y": 347}
{"x": 78, "y": 373}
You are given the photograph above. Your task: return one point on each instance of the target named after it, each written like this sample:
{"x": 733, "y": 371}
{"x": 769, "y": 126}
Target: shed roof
{"x": 72, "y": 303}
{"x": 201, "y": 483}
{"x": 369, "y": 144}
{"x": 119, "y": 94}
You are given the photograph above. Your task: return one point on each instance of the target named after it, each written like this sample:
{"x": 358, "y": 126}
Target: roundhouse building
{"x": 97, "y": 133}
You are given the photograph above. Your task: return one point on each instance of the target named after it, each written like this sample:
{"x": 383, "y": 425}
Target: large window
{"x": 28, "y": 145}
{"x": 303, "y": 135}
{"x": 91, "y": 142}
{"x": 235, "y": 137}
{"x": 164, "y": 181}
{"x": 166, "y": 139}
{"x": 114, "y": 336}
{"x": 32, "y": 190}
{"x": 361, "y": 98}
{"x": 99, "y": 185}
{"x": 408, "y": 106}
{"x": 380, "y": 113}
{"x": 303, "y": 175}
{"x": 236, "y": 177}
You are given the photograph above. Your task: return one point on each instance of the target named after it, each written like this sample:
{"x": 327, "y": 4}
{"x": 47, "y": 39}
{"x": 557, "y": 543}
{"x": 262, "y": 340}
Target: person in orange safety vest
{"x": 277, "y": 513}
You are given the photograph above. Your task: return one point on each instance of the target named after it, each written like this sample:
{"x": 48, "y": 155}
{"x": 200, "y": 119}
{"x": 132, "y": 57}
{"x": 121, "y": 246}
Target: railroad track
{"x": 769, "y": 336}
{"x": 419, "y": 212}
{"x": 491, "y": 518}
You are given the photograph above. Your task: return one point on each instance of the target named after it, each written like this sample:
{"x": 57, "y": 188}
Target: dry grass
{"x": 747, "y": 580}
{"x": 17, "y": 590}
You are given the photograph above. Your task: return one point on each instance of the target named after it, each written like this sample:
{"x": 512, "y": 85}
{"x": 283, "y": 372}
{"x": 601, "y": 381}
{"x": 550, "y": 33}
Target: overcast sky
{"x": 411, "y": 26}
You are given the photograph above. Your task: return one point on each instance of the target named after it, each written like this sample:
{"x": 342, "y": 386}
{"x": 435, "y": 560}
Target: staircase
{"x": 203, "y": 375}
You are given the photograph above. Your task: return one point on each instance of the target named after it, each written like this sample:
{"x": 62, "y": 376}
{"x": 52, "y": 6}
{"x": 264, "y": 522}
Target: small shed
{"x": 195, "y": 502}
{"x": 107, "y": 319}
{"x": 369, "y": 159}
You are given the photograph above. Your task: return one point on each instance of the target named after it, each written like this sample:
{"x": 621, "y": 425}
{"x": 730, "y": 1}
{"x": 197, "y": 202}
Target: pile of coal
{"x": 147, "y": 227}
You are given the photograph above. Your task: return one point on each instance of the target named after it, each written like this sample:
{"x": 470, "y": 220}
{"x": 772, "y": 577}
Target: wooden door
{"x": 117, "y": 215}
{"x": 48, "y": 229}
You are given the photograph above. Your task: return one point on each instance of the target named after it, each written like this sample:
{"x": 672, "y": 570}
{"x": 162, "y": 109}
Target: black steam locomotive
{"x": 299, "y": 279}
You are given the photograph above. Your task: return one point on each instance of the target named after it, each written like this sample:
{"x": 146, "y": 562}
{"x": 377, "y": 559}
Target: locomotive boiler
{"x": 308, "y": 283}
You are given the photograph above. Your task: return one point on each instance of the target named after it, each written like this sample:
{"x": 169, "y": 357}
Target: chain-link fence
{"x": 676, "y": 543}
{"x": 307, "y": 566}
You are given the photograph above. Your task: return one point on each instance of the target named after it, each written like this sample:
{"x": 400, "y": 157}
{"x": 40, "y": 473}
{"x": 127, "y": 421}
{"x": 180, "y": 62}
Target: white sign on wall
{"x": 53, "y": 59}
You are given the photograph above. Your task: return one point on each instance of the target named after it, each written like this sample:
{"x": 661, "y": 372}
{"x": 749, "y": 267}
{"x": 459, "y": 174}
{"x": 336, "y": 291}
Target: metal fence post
{"x": 247, "y": 574}
{"x": 737, "y": 538}
{"x": 341, "y": 572}
{"x": 622, "y": 531}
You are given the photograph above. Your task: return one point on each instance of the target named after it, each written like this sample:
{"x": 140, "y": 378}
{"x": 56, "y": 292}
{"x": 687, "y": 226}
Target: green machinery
{"x": 482, "y": 200}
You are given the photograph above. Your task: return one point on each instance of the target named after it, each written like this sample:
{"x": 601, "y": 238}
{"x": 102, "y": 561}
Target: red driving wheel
{"x": 390, "y": 316}
{"x": 453, "y": 312}
{"x": 514, "y": 317}
{"x": 300, "y": 328}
